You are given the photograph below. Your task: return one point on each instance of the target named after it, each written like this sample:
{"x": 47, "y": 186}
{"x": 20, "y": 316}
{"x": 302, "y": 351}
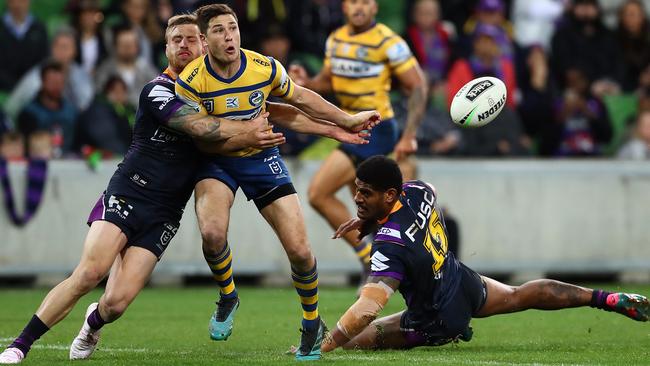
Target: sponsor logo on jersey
{"x": 377, "y": 262}
{"x": 139, "y": 180}
{"x": 262, "y": 62}
{"x": 256, "y": 98}
{"x": 164, "y": 135}
{"x": 362, "y": 52}
{"x": 192, "y": 75}
{"x": 161, "y": 94}
{"x": 386, "y": 231}
{"x": 399, "y": 52}
{"x": 119, "y": 206}
{"x": 477, "y": 89}
{"x": 232, "y": 102}
{"x": 275, "y": 167}
{"x": 169, "y": 231}
{"x": 355, "y": 68}
{"x": 208, "y": 104}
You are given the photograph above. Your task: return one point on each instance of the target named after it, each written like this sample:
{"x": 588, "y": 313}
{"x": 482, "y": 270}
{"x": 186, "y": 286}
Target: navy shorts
{"x": 146, "y": 224}
{"x": 263, "y": 177}
{"x": 382, "y": 142}
{"x": 451, "y": 322}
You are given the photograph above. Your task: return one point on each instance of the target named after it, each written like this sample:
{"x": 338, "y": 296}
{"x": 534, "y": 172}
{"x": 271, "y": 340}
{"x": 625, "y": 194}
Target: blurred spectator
{"x": 535, "y": 21}
{"x": 50, "y": 111}
{"x": 581, "y": 125}
{"x": 255, "y": 17}
{"x": 12, "y": 146}
{"x": 23, "y": 43}
{"x": 125, "y": 63}
{"x": 489, "y": 12}
{"x": 502, "y": 137}
{"x": 536, "y": 105}
{"x": 87, "y": 19}
{"x": 41, "y": 145}
{"x": 105, "y": 125}
{"x": 430, "y": 40}
{"x": 643, "y": 92}
{"x": 78, "y": 85}
{"x": 633, "y": 37}
{"x": 584, "y": 43}
{"x": 486, "y": 60}
{"x": 276, "y": 44}
{"x": 4, "y": 123}
{"x": 638, "y": 147}
{"x": 311, "y": 23}
{"x": 141, "y": 15}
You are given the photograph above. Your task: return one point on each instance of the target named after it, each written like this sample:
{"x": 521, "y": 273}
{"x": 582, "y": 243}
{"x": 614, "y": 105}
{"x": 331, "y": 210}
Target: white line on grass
{"x": 62, "y": 347}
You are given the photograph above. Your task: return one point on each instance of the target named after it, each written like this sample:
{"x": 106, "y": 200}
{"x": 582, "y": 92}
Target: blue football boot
{"x": 221, "y": 321}
{"x": 310, "y": 342}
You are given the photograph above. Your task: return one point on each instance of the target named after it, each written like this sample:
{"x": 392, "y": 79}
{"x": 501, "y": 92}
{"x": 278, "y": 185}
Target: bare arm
{"x": 292, "y": 118}
{"x": 414, "y": 83}
{"x": 373, "y": 298}
{"x": 202, "y": 126}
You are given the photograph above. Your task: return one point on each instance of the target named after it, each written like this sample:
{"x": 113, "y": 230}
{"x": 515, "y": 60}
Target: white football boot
{"x": 84, "y": 344}
{"x": 11, "y": 355}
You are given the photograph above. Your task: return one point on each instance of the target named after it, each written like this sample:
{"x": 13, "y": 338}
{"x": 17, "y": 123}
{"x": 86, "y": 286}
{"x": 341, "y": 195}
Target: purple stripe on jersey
{"x": 98, "y": 211}
{"x": 392, "y": 225}
{"x": 390, "y": 238}
{"x": 177, "y": 104}
{"x": 396, "y": 275}
{"x": 413, "y": 338}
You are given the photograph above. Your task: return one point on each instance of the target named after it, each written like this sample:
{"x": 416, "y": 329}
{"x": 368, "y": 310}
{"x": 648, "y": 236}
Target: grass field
{"x": 169, "y": 327}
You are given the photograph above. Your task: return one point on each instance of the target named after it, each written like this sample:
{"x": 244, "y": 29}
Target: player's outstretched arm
{"x": 314, "y": 105}
{"x": 292, "y": 118}
{"x": 374, "y": 296}
{"x": 414, "y": 82}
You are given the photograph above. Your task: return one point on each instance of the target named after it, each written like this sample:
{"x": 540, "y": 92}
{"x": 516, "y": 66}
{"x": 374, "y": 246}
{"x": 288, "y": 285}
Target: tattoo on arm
{"x": 188, "y": 120}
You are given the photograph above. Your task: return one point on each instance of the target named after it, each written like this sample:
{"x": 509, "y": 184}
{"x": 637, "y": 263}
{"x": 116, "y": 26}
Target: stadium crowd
{"x": 577, "y": 71}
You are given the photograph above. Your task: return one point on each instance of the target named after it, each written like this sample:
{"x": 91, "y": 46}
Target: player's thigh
{"x": 130, "y": 274}
{"x": 213, "y": 201}
{"x": 103, "y": 243}
{"x": 286, "y": 218}
{"x": 383, "y": 333}
{"x": 336, "y": 171}
{"x": 499, "y": 298}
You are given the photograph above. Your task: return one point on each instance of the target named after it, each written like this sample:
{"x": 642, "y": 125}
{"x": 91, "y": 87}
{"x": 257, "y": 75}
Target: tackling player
{"x": 360, "y": 59}
{"x": 410, "y": 255}
{"x": 138, "y": 215}
{"x": 234, "y": 83}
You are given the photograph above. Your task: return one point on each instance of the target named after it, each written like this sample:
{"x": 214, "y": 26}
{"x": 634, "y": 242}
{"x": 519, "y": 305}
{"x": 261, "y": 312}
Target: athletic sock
{"x": 221, "y": 267}
{"x": 599, "y": 300}
{"x": 306, "y": 284}
{"x": 95, "y": 320}
{"x": 32, "y": 332}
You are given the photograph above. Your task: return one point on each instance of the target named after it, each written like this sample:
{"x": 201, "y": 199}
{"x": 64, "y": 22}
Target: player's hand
{"x": 350, "y": 137}
{"x": 298, "y": 74}
{"x": 406, "y": 146}
{"x": 346, "y": 227}
{"x": 261, "y": 135}
{"x": 365, "y": 120}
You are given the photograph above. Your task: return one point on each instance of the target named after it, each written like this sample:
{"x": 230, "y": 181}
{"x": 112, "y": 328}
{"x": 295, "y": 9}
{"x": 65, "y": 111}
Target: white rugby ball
{"x": 478, "y": 102}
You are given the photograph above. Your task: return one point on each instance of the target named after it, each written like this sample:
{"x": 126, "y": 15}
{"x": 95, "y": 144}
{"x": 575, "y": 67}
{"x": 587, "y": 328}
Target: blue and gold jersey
{"x": 411, "y": 246}
{"x": 241, "y": 97}
{"x": 362, "y": 64}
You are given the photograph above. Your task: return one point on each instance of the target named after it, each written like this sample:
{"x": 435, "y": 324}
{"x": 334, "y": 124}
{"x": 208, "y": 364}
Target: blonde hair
{"x": 177, "y": 20}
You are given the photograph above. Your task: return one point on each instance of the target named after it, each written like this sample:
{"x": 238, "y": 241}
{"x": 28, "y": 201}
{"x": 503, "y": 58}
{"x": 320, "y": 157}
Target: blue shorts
{"x": 382, "y": 142}
{"x": 263, "y": 177}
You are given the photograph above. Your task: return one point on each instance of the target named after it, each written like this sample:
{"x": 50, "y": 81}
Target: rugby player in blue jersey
{"x": 442, "y": 295}
{"x": 139, "y": 213}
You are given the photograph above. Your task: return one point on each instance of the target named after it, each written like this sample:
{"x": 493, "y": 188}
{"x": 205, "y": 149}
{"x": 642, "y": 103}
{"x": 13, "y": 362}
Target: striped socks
{"x": 306, "y": 284}
{"x": 221, "y": 267}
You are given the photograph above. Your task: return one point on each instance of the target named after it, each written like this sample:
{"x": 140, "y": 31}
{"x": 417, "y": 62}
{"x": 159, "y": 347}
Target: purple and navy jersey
{"x": 411, "y": 246}
{"x": 161, "y": 162}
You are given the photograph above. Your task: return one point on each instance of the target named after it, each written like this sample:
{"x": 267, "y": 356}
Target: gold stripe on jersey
{"x": 240, "y": 97}
{"x": 362, "y": 64}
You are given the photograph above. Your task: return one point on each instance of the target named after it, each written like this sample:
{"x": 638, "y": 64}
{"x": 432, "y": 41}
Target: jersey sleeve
{"x": 398, "y": 53}
{"x": 281, "y": 85}
{"x": 388, "y": 260}
{"x": 160, "y": 101}
{"x": 327, "y": 61}
{"x": 186, "y": 88}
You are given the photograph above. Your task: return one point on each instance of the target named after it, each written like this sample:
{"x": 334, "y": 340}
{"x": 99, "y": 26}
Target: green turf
{"x": 169, "y": 327}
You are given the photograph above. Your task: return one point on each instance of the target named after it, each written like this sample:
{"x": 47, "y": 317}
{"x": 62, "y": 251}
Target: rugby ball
{"x": 478, "y": 102}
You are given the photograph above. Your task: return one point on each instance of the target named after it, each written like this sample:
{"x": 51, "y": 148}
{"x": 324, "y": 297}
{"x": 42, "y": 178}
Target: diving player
{"x": 235, "y": 83}
{"x": 361, "y": 57}
{"x": 410, "y": 255}
{"x": 139, "y": 213}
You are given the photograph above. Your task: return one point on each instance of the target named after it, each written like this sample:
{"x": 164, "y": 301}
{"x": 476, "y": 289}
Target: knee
{"x": 316, "y": 197}
{"x": 214, "y": 239}
{"x": 86, "y": 279}
{"x": 300, "y": 257}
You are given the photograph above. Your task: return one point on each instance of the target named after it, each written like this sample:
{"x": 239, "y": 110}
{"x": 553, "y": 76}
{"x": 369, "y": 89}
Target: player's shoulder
{"x": 162, "y": 86}
{"x": 190, "y": 74}
{"x": 258, "y": 61}
{"x": 384, "y": 31}
{"x": 339, "y": 32}
{"x": 418, "y": 189}
{"x": 392, "y": 231}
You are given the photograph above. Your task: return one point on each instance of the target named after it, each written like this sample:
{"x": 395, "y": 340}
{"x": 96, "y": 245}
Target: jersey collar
{"x": 168, "y": 73}
{"x": 242, "y": 66}
{"x": 396, "y": 208}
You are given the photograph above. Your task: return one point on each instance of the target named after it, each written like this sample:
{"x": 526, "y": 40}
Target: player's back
{"x": 161, "y": 162}
{"x": 411, "y": 245}
{"x": 362, "y": 64}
